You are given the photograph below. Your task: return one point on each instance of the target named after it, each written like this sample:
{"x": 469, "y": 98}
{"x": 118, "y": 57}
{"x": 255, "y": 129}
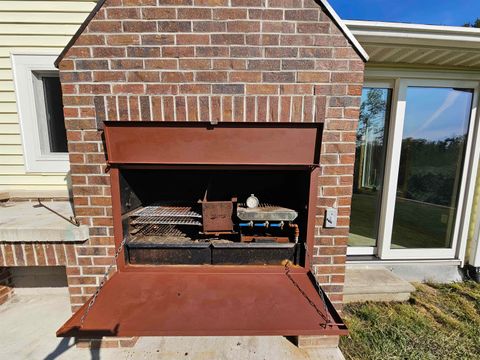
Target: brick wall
{"x": 210, "y": 60}
{"x": 6, "y": 286}
{"x": 52, "y": 254}
{"x": 70, "y": 255}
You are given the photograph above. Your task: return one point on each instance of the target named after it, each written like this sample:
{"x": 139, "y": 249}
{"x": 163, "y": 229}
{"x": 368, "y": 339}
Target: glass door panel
{"x": 432, "y": 155}
{"x": 369, "y": 167}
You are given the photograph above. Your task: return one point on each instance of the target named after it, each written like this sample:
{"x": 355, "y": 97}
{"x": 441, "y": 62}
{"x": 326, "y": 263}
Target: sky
{"x": 434, "y": 12}
{"x": 436, "y": 113}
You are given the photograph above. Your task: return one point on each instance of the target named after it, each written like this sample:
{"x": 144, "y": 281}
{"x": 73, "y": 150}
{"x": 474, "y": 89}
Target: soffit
{"x": 418, "y": 45}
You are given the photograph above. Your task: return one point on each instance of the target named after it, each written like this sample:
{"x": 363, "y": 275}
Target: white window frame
{"x": 31, "y": 112}
{"x": 393, "y": 163}
{"x": 373, "y": 250}
{"x": 403, "y": 79}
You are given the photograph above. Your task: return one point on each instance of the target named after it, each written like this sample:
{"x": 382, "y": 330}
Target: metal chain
{"x": 323, "y": 316}
{"x": 102, "y": 283}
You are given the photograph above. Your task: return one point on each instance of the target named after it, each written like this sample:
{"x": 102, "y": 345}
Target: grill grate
{"x": 167, "y": 211}
{"x": 162, "y": 230}
{"x": 166, "y": 220}
{"x": 164, "y": 214}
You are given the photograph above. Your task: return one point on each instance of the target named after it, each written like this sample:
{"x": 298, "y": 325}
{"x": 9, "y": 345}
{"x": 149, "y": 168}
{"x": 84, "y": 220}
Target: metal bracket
{"x": 72, "y": 220}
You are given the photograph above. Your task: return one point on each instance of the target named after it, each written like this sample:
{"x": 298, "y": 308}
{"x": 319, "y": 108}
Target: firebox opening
{"x": 214, "y": 217}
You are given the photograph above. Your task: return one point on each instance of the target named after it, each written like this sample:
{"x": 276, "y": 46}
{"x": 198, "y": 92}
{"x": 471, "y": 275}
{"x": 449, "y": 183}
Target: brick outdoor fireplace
{"x": 197, "y": 101}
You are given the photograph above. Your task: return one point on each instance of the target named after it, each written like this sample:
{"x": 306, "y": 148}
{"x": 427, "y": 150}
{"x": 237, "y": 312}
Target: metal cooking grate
{"x": 162, "y": 230}
{"x": 167, "y": 211}
{"x": 166, "y": 220}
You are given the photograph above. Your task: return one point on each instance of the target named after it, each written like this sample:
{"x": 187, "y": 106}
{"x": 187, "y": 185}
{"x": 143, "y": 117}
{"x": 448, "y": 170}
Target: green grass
{"x": 439, "y": 322}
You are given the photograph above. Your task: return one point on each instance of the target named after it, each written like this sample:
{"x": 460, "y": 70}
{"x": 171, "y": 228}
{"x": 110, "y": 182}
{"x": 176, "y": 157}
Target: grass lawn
{"x": 439, "y": 322}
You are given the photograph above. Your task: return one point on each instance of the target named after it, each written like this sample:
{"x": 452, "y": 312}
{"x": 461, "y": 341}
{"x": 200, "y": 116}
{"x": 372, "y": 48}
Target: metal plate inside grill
{"x": 266, "y": 212}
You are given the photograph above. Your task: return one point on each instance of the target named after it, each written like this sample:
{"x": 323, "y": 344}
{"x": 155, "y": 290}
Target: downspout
{"x": 473, "y": 266}
{"x": 473, "y": 256}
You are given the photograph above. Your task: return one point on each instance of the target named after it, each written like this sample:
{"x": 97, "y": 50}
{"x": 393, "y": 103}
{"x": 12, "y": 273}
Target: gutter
{"x": 415, "y": 34}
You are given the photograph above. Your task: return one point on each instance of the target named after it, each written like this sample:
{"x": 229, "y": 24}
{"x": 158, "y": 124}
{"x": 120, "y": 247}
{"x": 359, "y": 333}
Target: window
{"x": 369, "y": 165}
{"x": 432, "y": 154}
{"x": 40, "y": 110}
{"x": 414, "y": 168}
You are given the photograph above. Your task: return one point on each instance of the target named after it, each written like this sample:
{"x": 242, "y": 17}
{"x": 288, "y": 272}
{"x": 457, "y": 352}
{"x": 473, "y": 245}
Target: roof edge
{"x": 79, "y": 32}
{"x": 411, "y": 27}
{"x": 376, "y": 32}
{"x": 345, "y": 30}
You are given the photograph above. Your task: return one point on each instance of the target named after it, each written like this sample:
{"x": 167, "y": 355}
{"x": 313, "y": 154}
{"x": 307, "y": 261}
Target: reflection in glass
{"x": 369, "y": 164}
{"x": 431, "y": 162}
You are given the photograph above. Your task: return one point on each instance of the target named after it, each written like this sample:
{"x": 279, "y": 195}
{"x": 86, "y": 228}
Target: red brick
{"x": 123, "y": 13}
{"x": 158, "y": 13}
{"x": 262, "y": 89}
{"x": 192, "y": 108}
{"x": 105, "y": 26}
{"x": 192, "y": 39}
{"x": 123, "y": 39}
{"x": 229, "y": 14}
{"x": 194, "y": 13}
{"x": 243, "y": 26}
{"x": 174, "y": 26}
{"x": 139, "y": 26}
{"x": 143, "y": 76}
{"x": 313, "y": 77}
{"x": 158, "y": 39}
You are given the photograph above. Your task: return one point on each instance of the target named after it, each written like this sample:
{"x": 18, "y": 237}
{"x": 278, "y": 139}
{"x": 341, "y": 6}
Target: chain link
{"x": 324, "y": 316}
{"x": 102, "y": 283}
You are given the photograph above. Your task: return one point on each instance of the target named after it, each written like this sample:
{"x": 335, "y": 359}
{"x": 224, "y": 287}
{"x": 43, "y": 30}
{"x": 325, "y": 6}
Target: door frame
{"x": 404, "y": 79}
{"x": 380, "y": 84}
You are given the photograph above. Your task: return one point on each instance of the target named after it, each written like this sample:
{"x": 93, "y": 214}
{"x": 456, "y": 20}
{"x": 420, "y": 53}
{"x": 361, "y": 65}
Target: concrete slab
{"x": 22, "y": 222}
{"x": 375, "y": 284}
{"x": 29, "y": 322}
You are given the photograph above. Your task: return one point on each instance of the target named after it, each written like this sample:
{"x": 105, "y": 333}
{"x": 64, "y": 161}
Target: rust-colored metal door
{"x": 194, "y": 301}
{"x": 222, "y": 144}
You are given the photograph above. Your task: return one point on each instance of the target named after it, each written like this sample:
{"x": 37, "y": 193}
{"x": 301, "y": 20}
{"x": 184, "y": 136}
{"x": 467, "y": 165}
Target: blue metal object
{"x": 261, "y": 224}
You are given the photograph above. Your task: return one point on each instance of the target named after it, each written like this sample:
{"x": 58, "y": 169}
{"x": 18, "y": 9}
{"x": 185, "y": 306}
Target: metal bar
{"x": 72, "y": 219}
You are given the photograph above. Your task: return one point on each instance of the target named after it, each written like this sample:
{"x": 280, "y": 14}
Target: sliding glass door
{"x": 409, "y": 191}
{"x": 432, "y": 155}
{"x": 369, "y": 165}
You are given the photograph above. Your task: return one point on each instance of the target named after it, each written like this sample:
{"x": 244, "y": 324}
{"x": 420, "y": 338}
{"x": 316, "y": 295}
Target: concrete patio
{"x": 29, "y": 321}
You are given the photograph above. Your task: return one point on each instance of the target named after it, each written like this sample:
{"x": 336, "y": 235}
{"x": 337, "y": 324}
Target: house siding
{"x": 35, "y": 27}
